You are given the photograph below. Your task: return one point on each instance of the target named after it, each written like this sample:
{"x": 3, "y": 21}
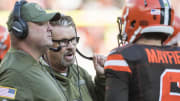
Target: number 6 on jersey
{"x": 170, "y": 85}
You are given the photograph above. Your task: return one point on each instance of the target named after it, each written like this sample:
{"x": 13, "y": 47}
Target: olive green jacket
{"x": 75, "y": 86}
{"x": 22, "y": 78}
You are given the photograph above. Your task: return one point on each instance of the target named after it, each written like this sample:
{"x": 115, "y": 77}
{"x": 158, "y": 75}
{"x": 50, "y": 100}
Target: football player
{"x": 145, "y": 69}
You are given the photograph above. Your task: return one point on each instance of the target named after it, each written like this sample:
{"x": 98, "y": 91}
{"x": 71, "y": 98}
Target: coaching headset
{"x": 19, "y": 26}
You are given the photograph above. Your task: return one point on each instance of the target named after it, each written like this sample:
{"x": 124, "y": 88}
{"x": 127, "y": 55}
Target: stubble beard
{"x": 65, "y": 63}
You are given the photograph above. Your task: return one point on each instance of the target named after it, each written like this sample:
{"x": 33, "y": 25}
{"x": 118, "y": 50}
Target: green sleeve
{"x": 97, "y": 89}
{"x": 14, "y": 80}
{"x": 90, "y": 85}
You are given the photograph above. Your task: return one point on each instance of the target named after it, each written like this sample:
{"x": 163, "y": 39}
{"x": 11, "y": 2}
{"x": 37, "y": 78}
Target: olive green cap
{"x": 32, "y": 12}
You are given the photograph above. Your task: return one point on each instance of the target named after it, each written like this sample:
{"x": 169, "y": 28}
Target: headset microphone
{"x": 56, "y": 49}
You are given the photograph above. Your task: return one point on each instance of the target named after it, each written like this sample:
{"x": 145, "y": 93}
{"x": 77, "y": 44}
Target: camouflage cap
{"x": 32, "y": 12}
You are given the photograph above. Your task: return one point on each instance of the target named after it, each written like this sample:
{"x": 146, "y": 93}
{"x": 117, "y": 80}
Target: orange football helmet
{"x": 173, "y": 40}
{"x": 4, "y": 41}
{"x": 145, "y": 16}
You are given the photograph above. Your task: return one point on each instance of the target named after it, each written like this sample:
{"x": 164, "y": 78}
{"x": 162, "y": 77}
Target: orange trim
{"x": 115, "y": 57}
{"x": 119, "y": 68}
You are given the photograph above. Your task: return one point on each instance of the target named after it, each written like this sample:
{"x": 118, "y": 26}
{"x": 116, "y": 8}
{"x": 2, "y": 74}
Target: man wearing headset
{"x": 76, "y": 83}
{"x": 22, "y": 77}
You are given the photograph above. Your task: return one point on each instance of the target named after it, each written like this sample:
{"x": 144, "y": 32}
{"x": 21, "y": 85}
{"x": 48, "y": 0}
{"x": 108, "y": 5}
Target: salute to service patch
{"x": 7, "y": 92}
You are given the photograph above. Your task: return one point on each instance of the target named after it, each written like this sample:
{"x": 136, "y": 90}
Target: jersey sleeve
{"x": 100, "y": 87}
{"x": 117, "y": 73}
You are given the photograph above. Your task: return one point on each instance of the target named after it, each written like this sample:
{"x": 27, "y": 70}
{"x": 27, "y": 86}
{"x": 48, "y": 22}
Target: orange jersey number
{"x": 170, "y": 85}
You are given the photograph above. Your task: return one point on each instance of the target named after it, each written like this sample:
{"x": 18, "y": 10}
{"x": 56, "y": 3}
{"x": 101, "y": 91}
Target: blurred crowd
{"x": 95, "y": 32}
{"x": 68, "y": 4}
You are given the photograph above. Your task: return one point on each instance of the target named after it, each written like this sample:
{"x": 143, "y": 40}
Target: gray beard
{"x": 66, "y": 64}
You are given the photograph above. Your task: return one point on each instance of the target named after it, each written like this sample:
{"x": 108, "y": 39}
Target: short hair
{"x": 155, "y": 36}
{"x": 66, "y": 21}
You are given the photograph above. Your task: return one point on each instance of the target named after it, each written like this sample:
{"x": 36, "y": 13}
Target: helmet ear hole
{"x": 154, "y": 17}
{"x": 133, "y": 23}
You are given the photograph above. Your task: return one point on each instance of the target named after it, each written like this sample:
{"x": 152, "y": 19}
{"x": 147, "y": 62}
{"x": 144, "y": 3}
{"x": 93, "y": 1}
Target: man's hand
{"x": 99, "y": 61}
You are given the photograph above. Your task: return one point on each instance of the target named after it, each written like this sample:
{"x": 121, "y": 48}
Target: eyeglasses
{"x": 65, "y": 42}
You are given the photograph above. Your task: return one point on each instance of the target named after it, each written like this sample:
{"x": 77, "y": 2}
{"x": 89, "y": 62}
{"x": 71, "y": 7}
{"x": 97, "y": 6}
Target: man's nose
{"x": 71, "y": 45}
{"x": 49, "y": 27}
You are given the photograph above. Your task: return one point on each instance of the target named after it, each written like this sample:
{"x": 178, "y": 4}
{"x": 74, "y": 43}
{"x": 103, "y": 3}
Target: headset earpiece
{"x": 19, "y": 26}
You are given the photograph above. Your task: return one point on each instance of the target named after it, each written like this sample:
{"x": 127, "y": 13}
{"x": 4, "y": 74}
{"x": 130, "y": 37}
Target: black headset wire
{"x": 77, "y": 66}
{"x": 78, "y": 74}
{"x": 86, "y": 57}
{"x": 53, "y": 75}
